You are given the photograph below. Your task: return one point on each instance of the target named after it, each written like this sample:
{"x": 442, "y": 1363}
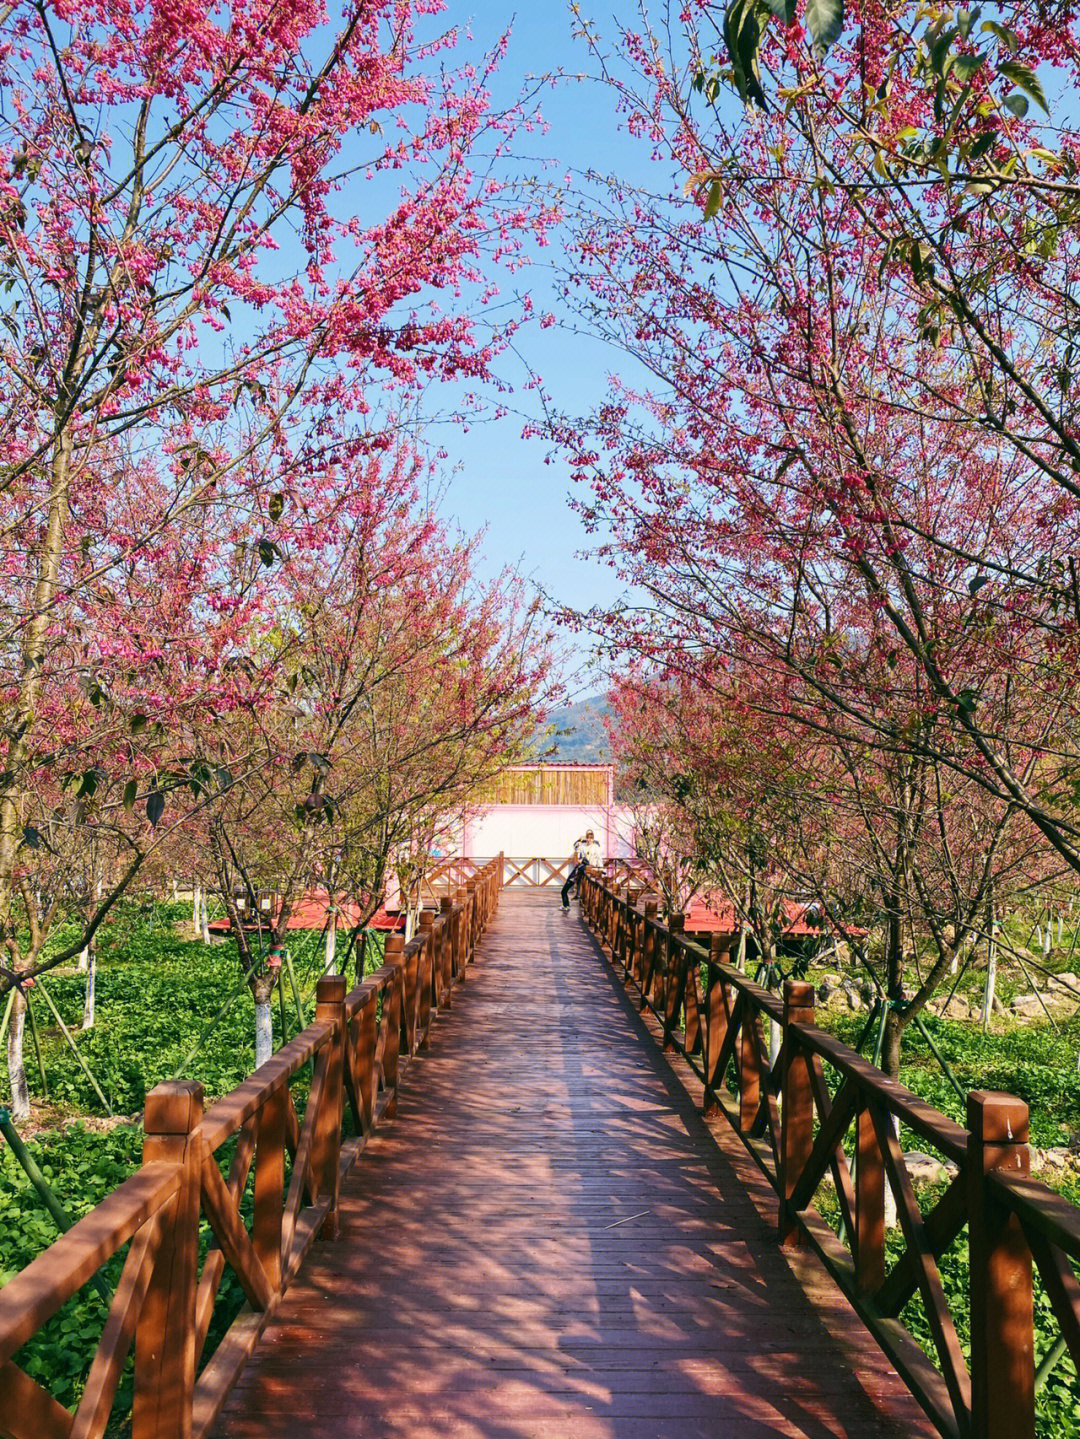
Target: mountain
{"x": 579, "y": 736}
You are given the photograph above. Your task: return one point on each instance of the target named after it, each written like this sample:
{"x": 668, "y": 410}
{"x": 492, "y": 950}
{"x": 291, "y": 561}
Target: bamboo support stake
{"x": 74, "y": 1048}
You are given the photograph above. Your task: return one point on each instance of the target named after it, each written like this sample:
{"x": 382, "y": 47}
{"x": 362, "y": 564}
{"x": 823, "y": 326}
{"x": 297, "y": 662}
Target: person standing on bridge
{"x": 586, "y": 853}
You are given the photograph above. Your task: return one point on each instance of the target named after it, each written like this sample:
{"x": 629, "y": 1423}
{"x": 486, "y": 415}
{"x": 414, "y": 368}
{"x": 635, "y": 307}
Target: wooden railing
{"x": 448, "y": 875}
{"x": 534, "y": 871}
{"x": 355, "y": 1052}
{"x": 819, "y": 1111}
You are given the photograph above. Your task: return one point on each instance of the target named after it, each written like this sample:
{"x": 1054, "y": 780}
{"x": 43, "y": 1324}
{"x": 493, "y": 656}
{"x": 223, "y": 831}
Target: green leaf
{"x": 783, "y": 10}
{"x": 138, "y": 723}
{"x": 1003, "y": 33}
{"x": 277, "y": 507}
{"x": 975, "y": 585}
{"x": 922, "y": 262}
{"x": 267, "y": 551}
{"x": 31, "y": 837}
{"x": 1017, "y": 104}
{"x": 965, "y": 66}
{"x": 155, "y": 806}
{"x": 1024, "y": 76}
{"x": 131, "y": 790}
{"x": 89, "y": 783}
{"x": 941, "y": 50}
{"x": 825, "y": 21}
{"x": 743, "y": 20}
{"x": 712, "y": 204}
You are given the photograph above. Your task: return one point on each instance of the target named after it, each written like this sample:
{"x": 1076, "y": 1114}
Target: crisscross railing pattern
{"x": 811, "y": 1111}
{"x": 188, "y": 1220}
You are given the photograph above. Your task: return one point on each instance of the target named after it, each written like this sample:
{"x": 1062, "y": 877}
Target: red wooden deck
{"x": 552, "y": 1244}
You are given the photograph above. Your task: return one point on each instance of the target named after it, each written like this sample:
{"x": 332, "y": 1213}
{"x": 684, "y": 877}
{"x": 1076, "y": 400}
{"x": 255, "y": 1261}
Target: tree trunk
{"x": 196, "y": 913}
{"x": 775, "y": 1030}
{"x": 33, "y": 655}
{"x": 890, "y": 1066}
{"x": 84, "y": 960}
{"x": 740, "y": 951}
{"x": 331, "y": 942}
{"x": 264, "y": 1031}
{"x": 90, "y": 1003}
{"x": 990, "y": 993}
{"x": 16, "y": 1063}
{"x": 890, "y": 1051}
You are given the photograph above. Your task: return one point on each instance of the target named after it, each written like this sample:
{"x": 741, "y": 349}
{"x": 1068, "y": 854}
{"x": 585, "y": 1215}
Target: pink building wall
{"x": 547, "y": 831}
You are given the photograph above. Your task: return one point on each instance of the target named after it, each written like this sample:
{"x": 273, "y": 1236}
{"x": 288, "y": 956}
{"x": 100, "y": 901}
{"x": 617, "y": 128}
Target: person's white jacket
{"x": 590, "y": 854}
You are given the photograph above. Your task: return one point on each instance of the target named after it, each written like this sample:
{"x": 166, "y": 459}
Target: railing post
{"x": 395, "y": 954}
{"x": 797, "y": 1113}
{"x": 868, "y": 1241}
{"x": 612, "y": 930}
{"x": 648, "y": 949}
{"x": 691, "y": 1002}
{"x": 461, "y": 929}
{"x": 626, "y": 956}
{"x": 326, "y": 1141}
{"x": 446, "y": 909}
{"x": 470, "y": 911}
{"x": 1002, "y": 1320}
{"x": 749, "y": 1067}
{"x": 716, "y": 1025}
{"x": 393, "y": 1004}
{"x": 270, "y": 1184}
{"x": 165, "y": 1331}
{"x": 672, "y": 977}
{"x": 425, "y": 979}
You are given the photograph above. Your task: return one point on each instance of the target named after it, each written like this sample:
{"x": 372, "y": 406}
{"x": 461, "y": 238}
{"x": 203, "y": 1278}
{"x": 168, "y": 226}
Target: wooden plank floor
{"x": 550, "y": 1244}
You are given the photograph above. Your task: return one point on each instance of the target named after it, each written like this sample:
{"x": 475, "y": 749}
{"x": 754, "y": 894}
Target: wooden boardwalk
{"x": 551, "y": 1244}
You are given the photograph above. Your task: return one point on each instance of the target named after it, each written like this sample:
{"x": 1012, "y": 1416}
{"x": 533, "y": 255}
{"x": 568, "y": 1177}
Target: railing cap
{"x": 331, "y": 989}
{"x": 997, "y": 1118}
{"x": 798, "y": 994}
{"x": 173, "y": 1107}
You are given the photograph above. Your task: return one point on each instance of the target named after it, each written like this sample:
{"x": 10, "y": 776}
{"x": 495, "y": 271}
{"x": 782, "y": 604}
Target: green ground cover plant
{"x": 1038, "y": 1064}
{"x": 158, "y": 993}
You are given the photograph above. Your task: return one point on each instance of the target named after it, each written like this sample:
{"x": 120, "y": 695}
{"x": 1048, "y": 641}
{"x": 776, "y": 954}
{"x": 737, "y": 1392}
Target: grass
{"x": 1038, "y": 1065}
{"x": 157, "y": 993}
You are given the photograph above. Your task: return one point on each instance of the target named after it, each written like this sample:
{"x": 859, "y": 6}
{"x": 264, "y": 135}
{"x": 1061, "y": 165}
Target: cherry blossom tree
{"x": 190, "y": 298}
{"x": 873, "y": 245}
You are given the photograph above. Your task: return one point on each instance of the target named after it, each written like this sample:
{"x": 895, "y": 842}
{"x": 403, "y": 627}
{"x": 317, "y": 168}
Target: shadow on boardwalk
{"x": 550, "y": 1244}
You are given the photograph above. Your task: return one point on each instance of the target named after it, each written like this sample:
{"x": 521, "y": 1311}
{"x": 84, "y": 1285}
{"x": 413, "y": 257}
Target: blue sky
{"x": 497, "y": 479}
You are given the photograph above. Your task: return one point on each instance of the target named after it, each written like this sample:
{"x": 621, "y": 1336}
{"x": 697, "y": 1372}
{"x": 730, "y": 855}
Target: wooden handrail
{"x": 800, "y": 1131}
{"x": 358, "y": 1046}
{"x": 30, "y": 1298}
